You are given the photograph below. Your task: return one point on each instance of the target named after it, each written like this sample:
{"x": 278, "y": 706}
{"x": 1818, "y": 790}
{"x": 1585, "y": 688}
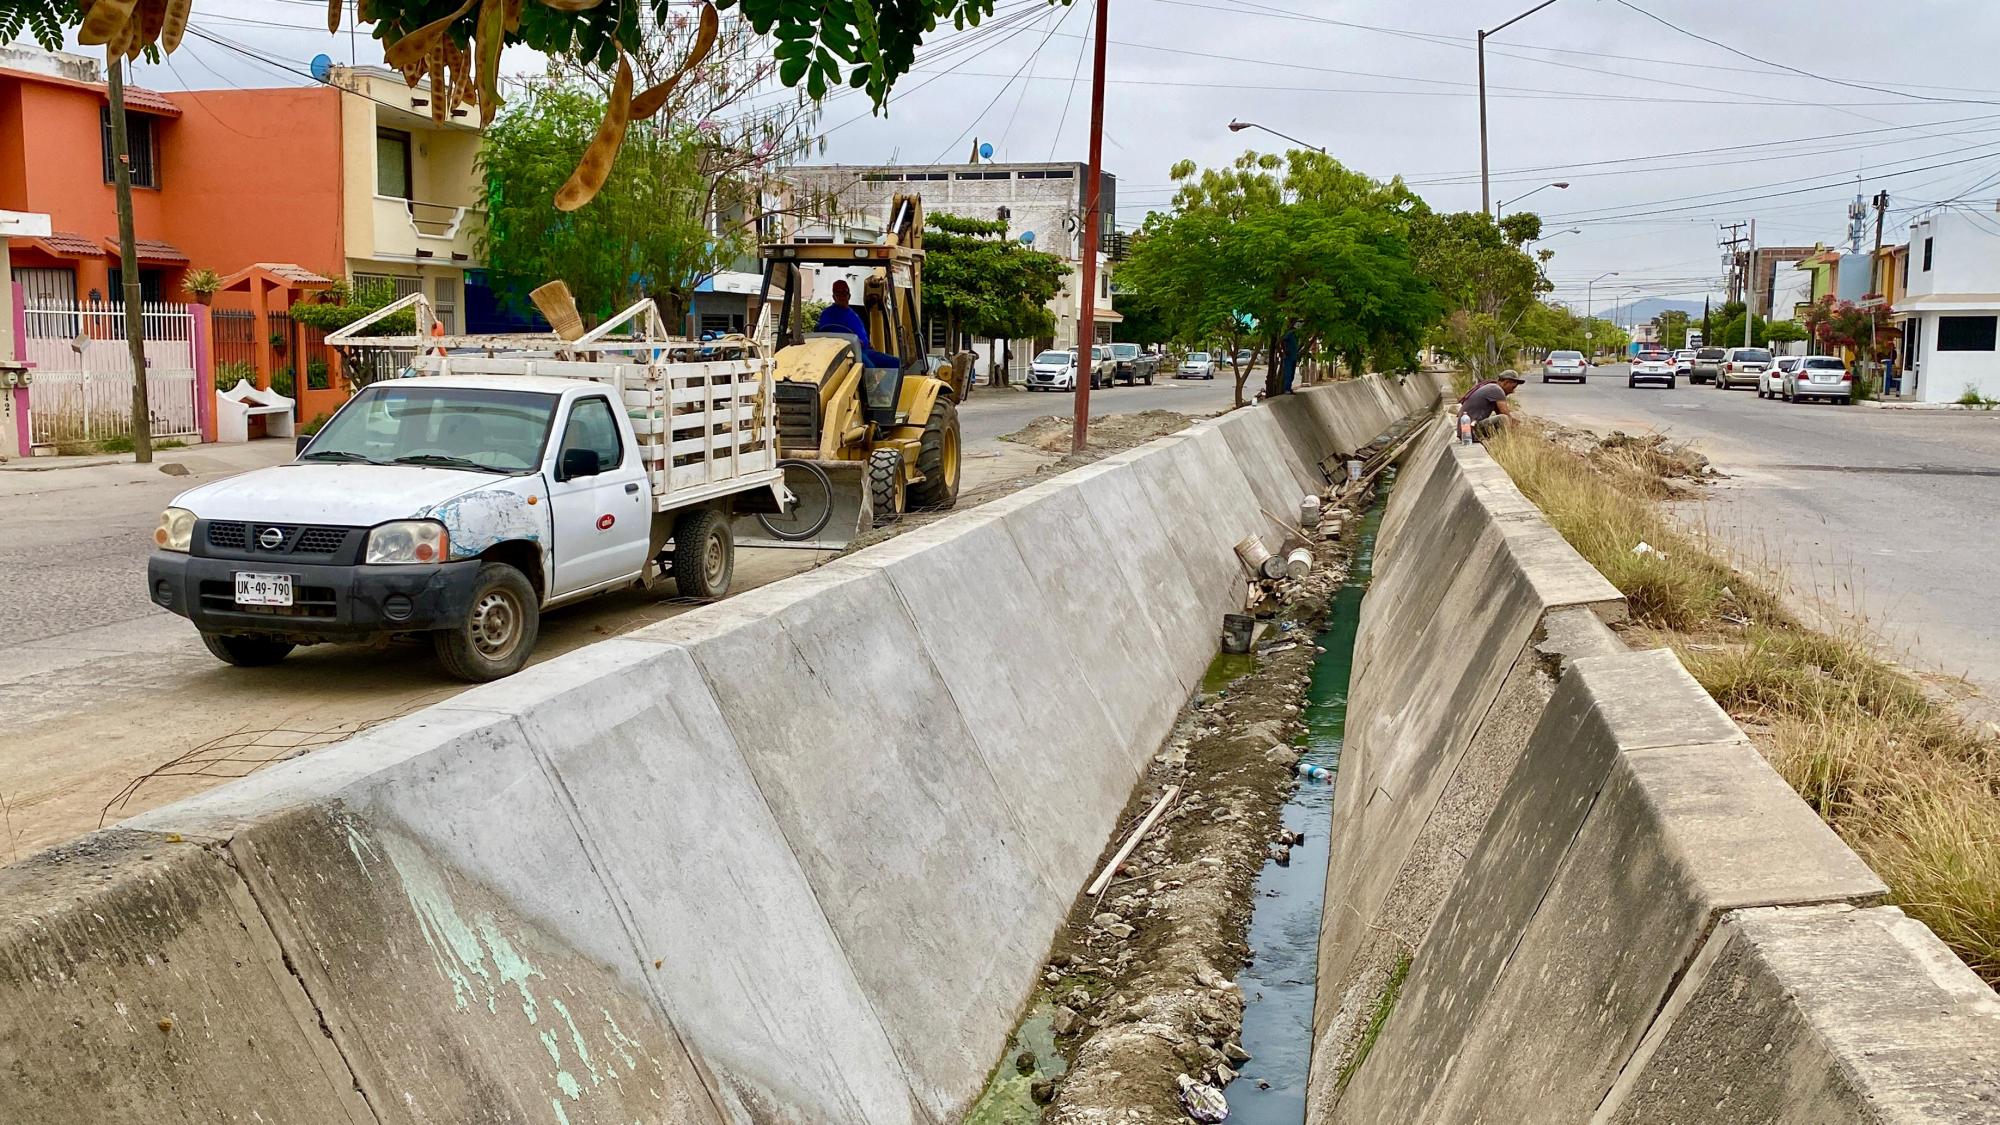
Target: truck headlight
{"x": 408, "y": 541}
{"x": 176, "y": 530}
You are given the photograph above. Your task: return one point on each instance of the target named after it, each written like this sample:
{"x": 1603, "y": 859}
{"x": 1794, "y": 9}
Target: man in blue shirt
{"x": 840, "y": 317}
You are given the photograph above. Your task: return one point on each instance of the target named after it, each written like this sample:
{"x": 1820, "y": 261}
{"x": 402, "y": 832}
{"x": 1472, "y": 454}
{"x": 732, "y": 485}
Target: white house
{"x": 1950, "y": 307}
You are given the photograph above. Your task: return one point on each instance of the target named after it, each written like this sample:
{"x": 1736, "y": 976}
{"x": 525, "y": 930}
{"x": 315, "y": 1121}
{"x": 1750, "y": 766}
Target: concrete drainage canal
{"x": 1193, "y": 974}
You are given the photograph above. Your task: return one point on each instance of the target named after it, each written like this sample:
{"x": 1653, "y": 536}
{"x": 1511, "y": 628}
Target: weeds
{"x": 1384, "y": 1004}
{"x": 1909, "y": 785}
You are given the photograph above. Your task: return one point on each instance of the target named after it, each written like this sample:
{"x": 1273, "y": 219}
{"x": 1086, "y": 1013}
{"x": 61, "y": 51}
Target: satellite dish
{"x": 321, "y": 66}
{"x": 985, "y": 151}
{"x": 1028, "y": 238}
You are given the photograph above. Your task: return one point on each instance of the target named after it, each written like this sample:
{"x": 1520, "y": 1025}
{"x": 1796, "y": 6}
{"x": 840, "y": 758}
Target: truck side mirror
{"x": 579, "y": 463}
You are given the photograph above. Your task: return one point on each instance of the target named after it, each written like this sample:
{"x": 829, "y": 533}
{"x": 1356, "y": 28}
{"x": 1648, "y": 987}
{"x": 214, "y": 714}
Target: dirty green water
{"x": 1279, "y": 983}
{"x": 1284, "y": 927}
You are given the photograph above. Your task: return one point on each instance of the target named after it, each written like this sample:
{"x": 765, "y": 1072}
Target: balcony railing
{"x": 413, "y": 229}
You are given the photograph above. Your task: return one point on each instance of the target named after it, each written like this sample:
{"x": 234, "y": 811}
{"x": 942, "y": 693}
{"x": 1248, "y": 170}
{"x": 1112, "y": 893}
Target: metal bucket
{"x": 1237, "y": 631}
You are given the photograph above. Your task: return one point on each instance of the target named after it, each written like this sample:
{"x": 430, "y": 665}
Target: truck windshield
{"x": 452, "y": 427}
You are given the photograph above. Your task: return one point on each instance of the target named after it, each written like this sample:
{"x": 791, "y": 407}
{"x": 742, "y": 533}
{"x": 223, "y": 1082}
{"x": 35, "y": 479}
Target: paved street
{"x": 100, "y": 686}
{"x": 1881, "y": 515}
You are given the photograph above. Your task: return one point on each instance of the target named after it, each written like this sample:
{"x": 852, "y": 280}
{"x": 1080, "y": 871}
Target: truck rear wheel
{"x": 246, "y": 652}
{"x": 886, "y": 486}
{"x": 938, "y": 458}
{"x": 704, "y": 554}
{"x": 499, "y": 629}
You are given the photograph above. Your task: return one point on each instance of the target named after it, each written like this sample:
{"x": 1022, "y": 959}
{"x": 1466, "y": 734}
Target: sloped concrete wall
{"x": 1599, "y": 901}
{"x": 793, "y": 857}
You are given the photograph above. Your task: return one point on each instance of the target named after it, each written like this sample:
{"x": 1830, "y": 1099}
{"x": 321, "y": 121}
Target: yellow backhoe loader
{"x": 866, "y": 427}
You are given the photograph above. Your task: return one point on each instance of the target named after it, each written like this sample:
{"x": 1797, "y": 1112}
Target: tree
{"x": 684, "y": 199}
{"x": 1673, "y": 325}
{"x": 1274, "y": 245}
{"x": 1488, "y": 282}
{"x": 1832, "y": 324}
{"x": 983, "y": 283}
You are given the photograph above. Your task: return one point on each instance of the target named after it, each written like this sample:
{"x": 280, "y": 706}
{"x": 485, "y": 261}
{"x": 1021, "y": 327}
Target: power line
{"x": 1083, "y": 43}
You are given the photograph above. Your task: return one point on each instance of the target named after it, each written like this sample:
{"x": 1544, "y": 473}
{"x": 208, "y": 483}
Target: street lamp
{"x": 1236, "y": 126}
{"x": 1505, "y": 203}
{"x": 1485, "y": 188}
{"x": 1589, "y": 310}
{"x": 1558, "y": 234}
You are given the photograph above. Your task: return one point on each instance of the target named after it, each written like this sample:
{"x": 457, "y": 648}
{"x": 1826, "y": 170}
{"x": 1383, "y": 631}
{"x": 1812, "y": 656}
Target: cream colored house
{"x": 412, "y": 197}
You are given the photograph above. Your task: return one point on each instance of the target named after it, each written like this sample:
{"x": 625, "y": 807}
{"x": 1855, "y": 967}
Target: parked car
{"x": 1684, "y": 363}
{"x": 1653, "y": 368}
{"x": 1742, "y": 367}
{"x": 1133, "y": 365}
{"x": 1820, "y": 376}
{"x": 1052, "y": 371}
{"x": 1103, "y": 369}
{"x": 1774, "y": 375}
{"x": 1707, "y": 361}
{"x": 1197, "y": 365}
{"x": 1565, "y": 365}
{"x": 1245, "y": 357}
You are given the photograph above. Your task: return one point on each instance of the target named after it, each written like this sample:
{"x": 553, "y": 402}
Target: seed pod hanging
{"x": 595, "y": 167}
{"x": 106, "y": 20}
{"x": 414, "y": 48}
{"x": 650, "y": 102}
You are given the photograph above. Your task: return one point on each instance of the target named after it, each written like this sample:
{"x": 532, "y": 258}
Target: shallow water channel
{"x": 1284, "y": 923}
{"x": 1278, "y": 985}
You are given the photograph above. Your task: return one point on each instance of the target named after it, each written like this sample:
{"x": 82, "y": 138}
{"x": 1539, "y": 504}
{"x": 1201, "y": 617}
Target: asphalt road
{"x": 990, "y": 413}
{"x": 100, "y": 688}
{"x": 1883, "y": 518}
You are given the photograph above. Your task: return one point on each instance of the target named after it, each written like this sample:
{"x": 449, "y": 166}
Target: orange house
{"x": 348, "y": 178}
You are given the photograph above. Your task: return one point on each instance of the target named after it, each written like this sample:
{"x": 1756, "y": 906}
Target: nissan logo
{"x": 271, "y": 538}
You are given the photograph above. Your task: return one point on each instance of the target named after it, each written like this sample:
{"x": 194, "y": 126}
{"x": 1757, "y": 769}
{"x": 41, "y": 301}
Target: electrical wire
{"x": 1083, "y": 44}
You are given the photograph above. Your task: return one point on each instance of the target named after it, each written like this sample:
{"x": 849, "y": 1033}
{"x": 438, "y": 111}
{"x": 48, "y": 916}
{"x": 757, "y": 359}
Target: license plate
{"x": 263, "y": 589}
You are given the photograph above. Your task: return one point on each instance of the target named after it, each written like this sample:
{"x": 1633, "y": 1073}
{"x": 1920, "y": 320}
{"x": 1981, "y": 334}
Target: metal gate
{"x": 82, "y": 389}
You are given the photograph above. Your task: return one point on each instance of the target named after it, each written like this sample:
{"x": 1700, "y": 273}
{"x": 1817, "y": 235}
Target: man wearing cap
{"x": 841, "y": 317}
{"x": 1487, "y": 405}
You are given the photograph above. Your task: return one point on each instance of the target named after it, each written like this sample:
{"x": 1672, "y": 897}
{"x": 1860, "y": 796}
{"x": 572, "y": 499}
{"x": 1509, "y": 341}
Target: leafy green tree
{"x": 1784, "y": 331}
{"x": 982, "y": 283}
{"x": 1489, "y": 284}
{"x": 1673, "y": 325}
{"x": 1268, "y": 246}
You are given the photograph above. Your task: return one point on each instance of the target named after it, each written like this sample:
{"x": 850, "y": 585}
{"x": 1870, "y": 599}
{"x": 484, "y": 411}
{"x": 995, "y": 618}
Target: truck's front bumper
{"x": 330, "y": 603}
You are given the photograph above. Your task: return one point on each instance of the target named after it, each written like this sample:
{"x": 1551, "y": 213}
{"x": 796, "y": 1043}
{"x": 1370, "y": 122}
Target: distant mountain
{"x": 1646, "y": 308}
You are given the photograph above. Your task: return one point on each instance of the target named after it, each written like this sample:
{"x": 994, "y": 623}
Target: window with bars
{"x": 138, "y": 148}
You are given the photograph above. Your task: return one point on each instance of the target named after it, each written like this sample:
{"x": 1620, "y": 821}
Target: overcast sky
{"x": 1592, "y": 92}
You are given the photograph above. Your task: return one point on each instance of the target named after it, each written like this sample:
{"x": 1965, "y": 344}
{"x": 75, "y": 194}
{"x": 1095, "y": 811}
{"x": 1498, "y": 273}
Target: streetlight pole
{"x": 1485, "y": 185}
{"x": 1589, "y": 311}
{"x": 1505, "y": 203}
{"x": 1087, "y": 302}
{"x": 1558, "y": 234}
{"x": 1236, "y": 126}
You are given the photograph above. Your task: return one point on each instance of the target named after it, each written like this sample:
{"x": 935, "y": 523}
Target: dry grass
{"x": 1913, "y": 788}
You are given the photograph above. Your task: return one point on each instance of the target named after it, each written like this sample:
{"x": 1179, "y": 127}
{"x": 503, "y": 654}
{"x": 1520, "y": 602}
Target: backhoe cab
{"x": 887, "y": 437}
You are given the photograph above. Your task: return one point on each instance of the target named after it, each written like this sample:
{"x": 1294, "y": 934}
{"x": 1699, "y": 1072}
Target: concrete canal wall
{"x": 1566, "y": 888}
{"x": 793, "y": 857}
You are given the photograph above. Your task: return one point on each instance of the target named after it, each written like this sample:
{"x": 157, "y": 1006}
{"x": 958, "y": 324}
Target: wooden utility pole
{"x": 1086, "y": 309}
{"x": 128, "y": 263}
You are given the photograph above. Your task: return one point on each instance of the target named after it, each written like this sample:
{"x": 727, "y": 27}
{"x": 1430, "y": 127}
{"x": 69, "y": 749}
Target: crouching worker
{"x": 1487, "y": 405}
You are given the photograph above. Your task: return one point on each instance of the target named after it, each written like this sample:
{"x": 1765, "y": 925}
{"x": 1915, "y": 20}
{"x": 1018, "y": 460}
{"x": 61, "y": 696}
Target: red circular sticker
{"x": 605, "y": 521}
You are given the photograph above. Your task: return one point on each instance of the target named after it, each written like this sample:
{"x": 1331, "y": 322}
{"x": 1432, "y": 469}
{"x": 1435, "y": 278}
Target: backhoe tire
{"x": 246, "y": 652}
{"x": 499, "y": 629}
{"x": 704, "y": 555}
{"x": 886, "y": 490}
{"x": 938, "y": 459}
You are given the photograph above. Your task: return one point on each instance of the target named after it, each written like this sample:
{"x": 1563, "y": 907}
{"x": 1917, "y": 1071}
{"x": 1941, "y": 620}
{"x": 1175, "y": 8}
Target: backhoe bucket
{"x": 853, "y": 513}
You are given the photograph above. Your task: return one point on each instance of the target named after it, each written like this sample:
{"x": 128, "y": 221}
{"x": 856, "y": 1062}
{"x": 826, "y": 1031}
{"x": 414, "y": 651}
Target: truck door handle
{"x": 632, "y": 487}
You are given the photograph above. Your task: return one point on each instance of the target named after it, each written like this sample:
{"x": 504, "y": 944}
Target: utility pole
{"x": 1485, "y": 185}
{"x": 1881, "y": 202}
{"x": 1737, "y": 272}
{"x": 1749, "y": 292}
{"x": 128, "y": 263}
{"x": 1087, "y": 300}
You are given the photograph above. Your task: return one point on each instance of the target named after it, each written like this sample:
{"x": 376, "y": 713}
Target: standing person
{"x": 1487, "y": 405}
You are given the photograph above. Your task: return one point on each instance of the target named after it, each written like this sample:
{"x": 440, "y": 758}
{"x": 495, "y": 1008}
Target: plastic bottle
{"x": 1312, "y": 772}
{"x": 1464, "y": 428}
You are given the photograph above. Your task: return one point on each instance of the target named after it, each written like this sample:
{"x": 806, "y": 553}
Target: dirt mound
{"x": 1109, "y": 433}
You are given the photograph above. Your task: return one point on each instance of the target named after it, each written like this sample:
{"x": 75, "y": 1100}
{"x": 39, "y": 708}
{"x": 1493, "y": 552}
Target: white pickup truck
{"x": 503, "y": 477}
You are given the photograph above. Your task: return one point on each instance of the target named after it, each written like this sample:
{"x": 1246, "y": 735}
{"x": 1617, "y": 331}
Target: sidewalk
{"x": 24, "y": 475}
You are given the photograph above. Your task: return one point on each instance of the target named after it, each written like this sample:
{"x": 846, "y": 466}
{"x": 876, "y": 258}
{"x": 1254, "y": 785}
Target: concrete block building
{"x": 1950, "y": 307}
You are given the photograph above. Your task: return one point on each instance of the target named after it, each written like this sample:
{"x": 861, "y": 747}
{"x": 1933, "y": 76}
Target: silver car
{"x": 1565, "y": 365}
{"x": 1774, "y": 375}
{"x": 1819, "y": 376}
{"x": 1742, "y": 367}
{"x": 1197, "y": 365}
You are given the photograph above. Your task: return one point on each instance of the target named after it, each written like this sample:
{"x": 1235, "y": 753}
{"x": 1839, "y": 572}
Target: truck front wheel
{"x": 704, "y": 555}
{"x": 499, "y": 629}
{"x": 246, "y": 652}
